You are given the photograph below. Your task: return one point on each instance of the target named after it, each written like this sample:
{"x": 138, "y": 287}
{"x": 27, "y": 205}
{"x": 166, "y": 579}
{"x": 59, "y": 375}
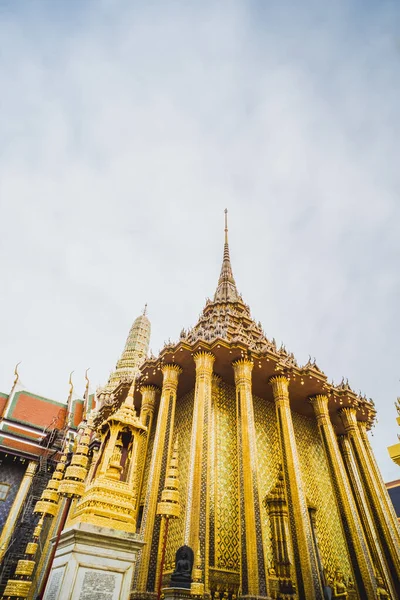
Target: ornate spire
{"x": 226, "y": 290}
{"x": 135, "y": 352}
{"x": 86, "y": 397}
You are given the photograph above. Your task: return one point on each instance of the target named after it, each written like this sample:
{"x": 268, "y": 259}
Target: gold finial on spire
{"x": 86, "y": 396}
{"x": 71, "y": 385}
{"x": 16, "y": 373}
{"x": 226, "y": 290}
{"x": 69, "y": 400}
{"x": 135, "y": 352}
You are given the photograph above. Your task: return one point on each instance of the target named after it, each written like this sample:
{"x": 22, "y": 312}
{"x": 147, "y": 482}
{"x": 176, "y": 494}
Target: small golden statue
{"x": 114, "y": 466}
{"x": 381, "y": 591}
{"x": 339, "y": 585}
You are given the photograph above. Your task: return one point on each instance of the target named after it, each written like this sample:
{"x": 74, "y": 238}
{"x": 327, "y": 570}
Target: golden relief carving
{"x": 339, "y": 586}
{"x": 17, "y": 589}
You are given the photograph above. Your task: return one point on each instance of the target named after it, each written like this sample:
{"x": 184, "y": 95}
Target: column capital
{"x": 30, "y": 469}
{"x": 280, "y": 386}
{"x": 242, "y": 369}
{"x": 204, "y": 361}
{"x": 171, "y": 374}
{"x": 320, "y": 405}
{"x": 148, "y": 399}
{"x": 349, "y": 419}
{"x": 216, "y": 379}
{"x": 148, "y": 389}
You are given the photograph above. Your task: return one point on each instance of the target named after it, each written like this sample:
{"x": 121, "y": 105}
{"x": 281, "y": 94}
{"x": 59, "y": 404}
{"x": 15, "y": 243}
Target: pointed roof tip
{"x": 145, "y": 310}
{"x": 226, "y": 290}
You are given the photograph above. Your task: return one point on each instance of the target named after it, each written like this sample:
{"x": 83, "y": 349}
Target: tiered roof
{"x": 226, "y": 328}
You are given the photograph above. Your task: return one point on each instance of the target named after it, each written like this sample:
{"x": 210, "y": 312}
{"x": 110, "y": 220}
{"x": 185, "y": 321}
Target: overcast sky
{"x": 125, "y": 130}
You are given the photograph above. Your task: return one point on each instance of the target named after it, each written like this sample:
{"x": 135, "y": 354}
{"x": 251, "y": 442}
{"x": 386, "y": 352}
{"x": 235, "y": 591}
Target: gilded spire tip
{"x": 145, "y": 310}
{"x": 226, "y": 225}
{"x": 16, "y": 373}
{"x": 71, "y": 385}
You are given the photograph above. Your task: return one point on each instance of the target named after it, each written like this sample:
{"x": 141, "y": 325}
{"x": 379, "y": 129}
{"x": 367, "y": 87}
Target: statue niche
{"x": 182, "y": 576}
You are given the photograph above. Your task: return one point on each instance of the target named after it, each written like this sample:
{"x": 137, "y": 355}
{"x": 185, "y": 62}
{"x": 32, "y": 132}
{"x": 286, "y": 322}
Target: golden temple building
{"x": 225, "y": 444}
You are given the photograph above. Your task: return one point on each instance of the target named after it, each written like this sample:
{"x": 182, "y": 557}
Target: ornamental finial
{"x": 145, "y": 310}
{"x": 71, "y": 385}
{"x": 16, "y": 373}
{"x": 226, "y": 290}
{"x": 68, "y": 416}
{"x": 86, "y": 396}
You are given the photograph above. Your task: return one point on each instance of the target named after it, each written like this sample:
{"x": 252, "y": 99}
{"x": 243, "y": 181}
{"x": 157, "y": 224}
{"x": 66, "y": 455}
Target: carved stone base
{"x": 93, "y": 562}
{"x": 135, "y": 595}
{"x": 177, "y": 594}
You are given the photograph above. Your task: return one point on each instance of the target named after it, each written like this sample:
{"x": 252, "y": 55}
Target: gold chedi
{"x": 110, "y": 498}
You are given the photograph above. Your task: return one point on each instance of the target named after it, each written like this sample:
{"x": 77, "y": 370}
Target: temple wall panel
{"x": 320, "y": 494}
{"x": 182, "y": 431}
{"x": 268, "y": 455}
{"x": 224, "y": 482}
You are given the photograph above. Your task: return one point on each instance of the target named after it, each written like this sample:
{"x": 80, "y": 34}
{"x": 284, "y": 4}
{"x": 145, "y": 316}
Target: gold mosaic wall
{"x": 320, "y": 493}
{"x": 182, "y": 430}
{"x": 223, "y": 489}
{"x": 225, "y": 503}
{"x": 268, "y": 455}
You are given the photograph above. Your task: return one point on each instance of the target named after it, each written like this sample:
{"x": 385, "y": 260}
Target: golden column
{"x": 202, "y": 408}
{"x": 147, "y": 564}
{"x": 376, "y": 496}
{"x": 146, "y": 418}
{"x": 307, "y": 574}
{"x": 253, "y": 580}
{"x": 16, "y": 507}
{"x": 148, "y": 403}
{"x": 352, "y": 529}
{"x": 362, "y": 426}
{"x": 363, "y": 509}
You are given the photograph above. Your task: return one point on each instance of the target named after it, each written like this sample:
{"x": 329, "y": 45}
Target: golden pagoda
{"x": 279, "y": 495}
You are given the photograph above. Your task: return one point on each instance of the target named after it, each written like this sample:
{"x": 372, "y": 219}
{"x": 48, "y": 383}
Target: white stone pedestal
{"x": 93, "y": 563}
